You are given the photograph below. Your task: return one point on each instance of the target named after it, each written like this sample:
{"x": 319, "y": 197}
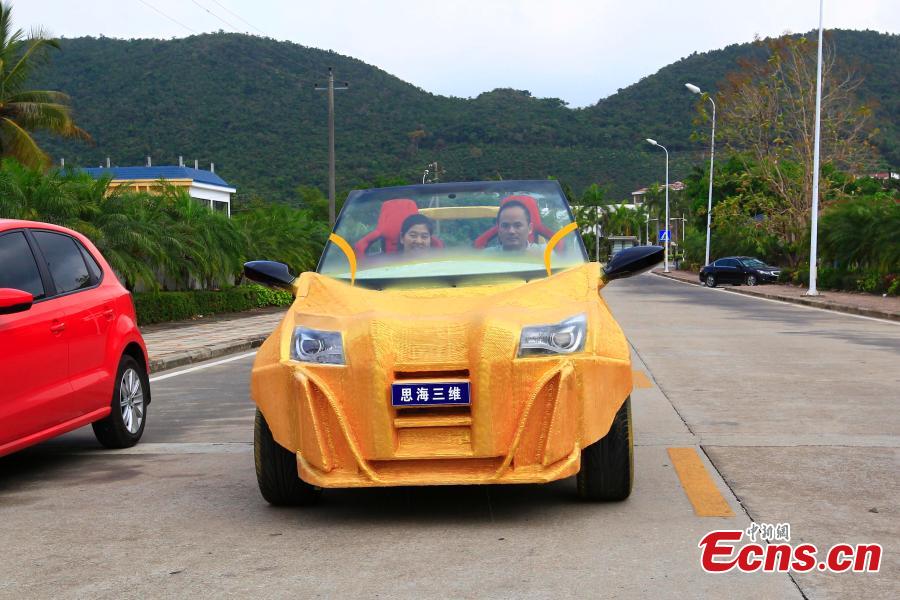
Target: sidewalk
{"x": 868, "y": 305}
{"x": 181, "y": 343}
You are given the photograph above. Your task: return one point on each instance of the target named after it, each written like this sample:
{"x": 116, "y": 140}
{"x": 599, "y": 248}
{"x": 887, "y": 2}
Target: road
{"x": 791, "y": 410}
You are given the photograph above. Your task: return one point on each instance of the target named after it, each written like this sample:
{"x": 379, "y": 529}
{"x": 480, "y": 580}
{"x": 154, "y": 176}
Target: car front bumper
{"x": 527, "y": 423}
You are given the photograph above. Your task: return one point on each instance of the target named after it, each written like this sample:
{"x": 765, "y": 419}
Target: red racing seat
{"x": 482, "y": 240}
{"x": 390, "y": 220}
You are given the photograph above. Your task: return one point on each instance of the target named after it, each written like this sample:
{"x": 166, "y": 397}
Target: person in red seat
{"x": 416, "y": 234}
{"x": 514, "y": 228}
{"x": 534, "y": 218}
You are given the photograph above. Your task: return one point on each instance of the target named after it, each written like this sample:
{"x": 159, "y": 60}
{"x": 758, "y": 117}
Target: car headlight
{"x": 564, "y": 337}
{"x": 312, "y": 345}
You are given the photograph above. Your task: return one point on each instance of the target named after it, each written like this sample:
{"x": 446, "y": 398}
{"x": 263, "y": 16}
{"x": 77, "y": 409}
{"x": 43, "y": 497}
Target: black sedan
{"x": 738, "y": 270}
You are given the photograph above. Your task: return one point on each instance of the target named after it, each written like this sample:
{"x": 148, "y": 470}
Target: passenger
{"x": 514, "y": 227}
{"x": 415, "y": 234}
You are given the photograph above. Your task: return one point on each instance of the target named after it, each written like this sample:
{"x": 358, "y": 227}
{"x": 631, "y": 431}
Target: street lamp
{"x": 666, "y": 253}
{"x": 712, "y": 153}
{"x": 814, "y": 233}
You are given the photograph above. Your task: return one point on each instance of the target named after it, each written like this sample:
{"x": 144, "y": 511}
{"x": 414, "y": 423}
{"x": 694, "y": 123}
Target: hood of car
{"x": 451, "y": 326}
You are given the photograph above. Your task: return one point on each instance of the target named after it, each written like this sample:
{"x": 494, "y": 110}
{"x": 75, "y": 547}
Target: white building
{"x": 203, "y": 185}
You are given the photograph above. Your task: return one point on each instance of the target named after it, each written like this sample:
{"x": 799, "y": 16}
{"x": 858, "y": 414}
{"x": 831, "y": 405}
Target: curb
{"x": 203, "y": 353}
{"x": 825, "y": 305}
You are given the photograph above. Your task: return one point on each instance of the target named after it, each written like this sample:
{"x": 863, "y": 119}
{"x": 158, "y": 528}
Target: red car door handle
{"x": 109, "y": 314}
{"x": 57, "y": 327}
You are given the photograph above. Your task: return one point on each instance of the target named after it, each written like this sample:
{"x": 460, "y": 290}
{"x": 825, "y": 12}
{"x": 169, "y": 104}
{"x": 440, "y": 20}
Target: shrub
{"x": 158, "y": 307}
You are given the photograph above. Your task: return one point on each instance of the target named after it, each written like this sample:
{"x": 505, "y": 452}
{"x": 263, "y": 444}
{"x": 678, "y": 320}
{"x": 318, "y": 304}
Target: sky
{"x": 576, "y": 50}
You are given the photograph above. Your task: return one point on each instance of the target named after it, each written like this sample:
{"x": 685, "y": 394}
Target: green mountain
{"x": 248, "y": 104}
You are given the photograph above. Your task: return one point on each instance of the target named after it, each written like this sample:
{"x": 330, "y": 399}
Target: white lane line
{"x": 828, "y": 310}
{"x": 201, "y": 367}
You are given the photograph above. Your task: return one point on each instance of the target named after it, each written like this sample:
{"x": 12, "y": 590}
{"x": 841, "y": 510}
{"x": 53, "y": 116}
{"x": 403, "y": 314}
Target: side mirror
{"x": 633, "y": 261}
{"x": 13, "y": 301}
{"x": 268, "y": 272}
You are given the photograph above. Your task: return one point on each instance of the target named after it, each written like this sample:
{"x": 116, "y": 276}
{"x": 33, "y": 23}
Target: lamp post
{"x": 814, "y": 232}
{"x": 712, "y": 153}
{"x": 666, "y": 253}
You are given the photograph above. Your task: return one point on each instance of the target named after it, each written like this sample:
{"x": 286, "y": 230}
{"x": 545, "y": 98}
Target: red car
{"x": 70, "y": 349}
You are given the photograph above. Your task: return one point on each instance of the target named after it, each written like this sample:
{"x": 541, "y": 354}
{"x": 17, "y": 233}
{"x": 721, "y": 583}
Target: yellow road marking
{"x": 697, "y": 484}
{"x": 640, "y": 379}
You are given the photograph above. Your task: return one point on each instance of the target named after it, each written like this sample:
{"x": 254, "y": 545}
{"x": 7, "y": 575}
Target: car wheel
{"x": 710, "y": 280}
{"x": 124, "y": 426}
{"x": 276, "y": 470}
{"x": 607, "y": 465}
{"x": 751, "y": 280}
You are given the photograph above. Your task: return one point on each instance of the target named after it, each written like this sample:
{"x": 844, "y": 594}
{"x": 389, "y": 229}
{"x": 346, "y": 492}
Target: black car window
{"x": 64, "y": 260}
{"x": 754, "y": 263}
{"x": 18, "y": 268}
{"x": 729, "y": 262}
{"x": 93, "y": 267}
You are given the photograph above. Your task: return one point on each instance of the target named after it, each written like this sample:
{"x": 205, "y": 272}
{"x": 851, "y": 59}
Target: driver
{"x": 514, "y": 227}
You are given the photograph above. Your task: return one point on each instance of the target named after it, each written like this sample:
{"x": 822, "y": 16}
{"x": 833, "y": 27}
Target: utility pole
{"x": 331, "y": 88}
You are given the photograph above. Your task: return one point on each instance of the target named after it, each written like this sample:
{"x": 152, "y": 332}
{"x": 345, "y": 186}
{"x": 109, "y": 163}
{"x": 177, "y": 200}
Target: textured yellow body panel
{"x": 529, "y": 417}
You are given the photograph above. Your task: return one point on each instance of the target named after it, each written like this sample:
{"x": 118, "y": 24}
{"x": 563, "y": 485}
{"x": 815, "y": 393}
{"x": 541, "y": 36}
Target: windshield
{"x": 453, "y": 234}
{"x": 753, "y": 262}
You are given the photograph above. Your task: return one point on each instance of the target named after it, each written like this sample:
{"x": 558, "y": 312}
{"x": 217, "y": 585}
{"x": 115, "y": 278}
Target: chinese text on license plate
{"x": 417, "y": 393}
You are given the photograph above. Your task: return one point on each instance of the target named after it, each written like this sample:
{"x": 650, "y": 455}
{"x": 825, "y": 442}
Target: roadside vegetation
{"x": 763, "y": 184}
{"x": 166, "y": 241}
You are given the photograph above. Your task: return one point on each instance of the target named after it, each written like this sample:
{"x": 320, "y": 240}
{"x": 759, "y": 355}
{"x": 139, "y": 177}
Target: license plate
{"x": 430, "y": 393}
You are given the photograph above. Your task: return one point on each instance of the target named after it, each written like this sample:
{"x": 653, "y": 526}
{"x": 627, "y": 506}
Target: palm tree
{"x": 23, "y": 111}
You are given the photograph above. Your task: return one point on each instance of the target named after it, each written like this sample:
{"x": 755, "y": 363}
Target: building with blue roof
{"x": 205, "y": 186}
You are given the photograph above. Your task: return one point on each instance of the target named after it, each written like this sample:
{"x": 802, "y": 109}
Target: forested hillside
{"x": 249, "y": 105}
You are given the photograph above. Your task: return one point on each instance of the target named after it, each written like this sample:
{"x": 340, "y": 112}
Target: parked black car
{"x": 738, "y": 270}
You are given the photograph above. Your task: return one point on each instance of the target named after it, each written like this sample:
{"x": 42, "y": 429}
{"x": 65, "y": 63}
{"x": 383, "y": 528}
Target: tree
{"x": 590, "y": 215}
{"x": 24, "y": 111}
{"x": 768, "y": 121}
{"x": 625, "y": 221}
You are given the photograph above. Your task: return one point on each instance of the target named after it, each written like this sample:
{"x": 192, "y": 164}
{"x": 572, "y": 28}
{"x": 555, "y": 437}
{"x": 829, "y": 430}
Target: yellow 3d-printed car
{"x": 452, "y": 333}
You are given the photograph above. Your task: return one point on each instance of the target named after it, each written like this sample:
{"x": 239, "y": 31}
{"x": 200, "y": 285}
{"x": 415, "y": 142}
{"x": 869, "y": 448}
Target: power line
{"x": 179, "y": 23}
{"x": 251, "y": 25}
{"x": 278, "y": 53}
{"x": 215, "y": 15}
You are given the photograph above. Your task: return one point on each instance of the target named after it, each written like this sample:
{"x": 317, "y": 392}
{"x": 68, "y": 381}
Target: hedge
{"x": 158, "y": 307}
{"x": 829, "y": 278}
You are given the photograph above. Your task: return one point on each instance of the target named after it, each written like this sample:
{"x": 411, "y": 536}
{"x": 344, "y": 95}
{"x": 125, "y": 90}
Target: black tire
{"x": 276, "y": 470}
{"x": 118, "y": 430}
{"x": 752, "y": 280}
{"x": 607, "y": 465}
{"x": 710, "y": 280}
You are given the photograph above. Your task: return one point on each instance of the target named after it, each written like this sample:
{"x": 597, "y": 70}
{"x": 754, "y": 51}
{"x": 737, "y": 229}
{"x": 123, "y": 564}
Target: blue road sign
{"x": 663, "y": 235}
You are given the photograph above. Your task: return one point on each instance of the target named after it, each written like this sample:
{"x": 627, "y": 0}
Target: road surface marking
{"x": 697, "y": 484}
{"x": 201, "y": 367}
{"x": 640, "y": 379}
{"x": 828, "y": 310}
